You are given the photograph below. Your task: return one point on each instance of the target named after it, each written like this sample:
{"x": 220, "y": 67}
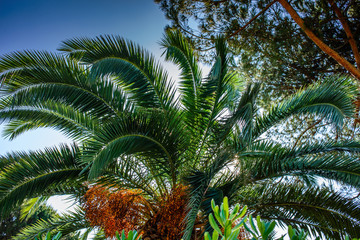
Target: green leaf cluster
{"x": 48, "y": 237}
{"x": 226, "y": 219}
{"x": 259, "y": 229}
{"x": 132, "y": 235}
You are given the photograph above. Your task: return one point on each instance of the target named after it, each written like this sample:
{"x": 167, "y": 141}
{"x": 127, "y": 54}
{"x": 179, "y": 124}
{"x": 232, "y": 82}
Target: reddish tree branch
{"x": 325, "y": 48}
{"x": 251, "y": 20}
{"x": 348, "y": 32}
{"x": 303, "y": 132}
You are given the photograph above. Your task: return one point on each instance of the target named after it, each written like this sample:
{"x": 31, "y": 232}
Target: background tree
{"x": 29, "y": 214}
{"x": 12, "y": 225}
{"x": 285, "y": 44}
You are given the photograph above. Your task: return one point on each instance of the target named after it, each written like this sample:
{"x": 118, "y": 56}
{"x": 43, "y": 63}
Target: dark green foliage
{"x": 227, "y": 224}
{"x": 48, "y": 236}
{"x": 68, "y": 224}
{"x": 132, "y": 235}
{"x": 11, "y": 225}
{"x": 272, "y": 48}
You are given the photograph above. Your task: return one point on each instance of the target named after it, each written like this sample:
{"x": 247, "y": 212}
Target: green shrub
{"x": 132, "y": 235}
{"x": 227, "y": 225}
{"x": 48, "y": 236}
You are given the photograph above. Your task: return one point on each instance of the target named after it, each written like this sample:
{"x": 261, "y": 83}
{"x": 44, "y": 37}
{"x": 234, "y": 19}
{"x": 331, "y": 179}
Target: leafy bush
{"x": 132, "y": 235}
{"x": 48, "y": 237}
{"x": 227, "y": 225}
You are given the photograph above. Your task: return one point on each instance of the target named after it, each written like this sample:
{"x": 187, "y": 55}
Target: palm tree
{"x": 133, "y": 128}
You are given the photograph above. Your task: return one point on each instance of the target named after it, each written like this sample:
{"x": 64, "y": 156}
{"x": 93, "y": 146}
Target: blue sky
{"x": 43, "y": 24}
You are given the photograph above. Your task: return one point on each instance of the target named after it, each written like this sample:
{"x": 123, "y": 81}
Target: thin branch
{"x": 307, "y": 129}
{"x": 251, "y": 20}
{"x": 357, "y": 109}
{"x": 192, "y": 34}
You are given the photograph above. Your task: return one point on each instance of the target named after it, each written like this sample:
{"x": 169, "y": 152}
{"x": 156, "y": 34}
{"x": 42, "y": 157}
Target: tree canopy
{"x": 276, "y": 41}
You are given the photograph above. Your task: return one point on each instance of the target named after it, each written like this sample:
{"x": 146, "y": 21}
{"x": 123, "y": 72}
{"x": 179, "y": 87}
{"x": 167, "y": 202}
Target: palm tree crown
{"x": 134, "y": 129}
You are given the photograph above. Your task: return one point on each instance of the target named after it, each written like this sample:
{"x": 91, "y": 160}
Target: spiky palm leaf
{"x": 69, "y": 223}
{"x": 35, "y": 173}
{"x": 133, "y": 132}
{"x": 305, "y": 207}
{"x": 132, "y": 67}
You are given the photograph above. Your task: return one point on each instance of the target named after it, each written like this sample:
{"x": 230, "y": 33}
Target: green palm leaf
{"x": 269, "y": 161}
{"x": 64, "y": 118}
{"x": 319, "y": 210}
{"x": 66, "y": 224}
{"x": 179, "y": 51}
{"x": 131, "y": 173}
{"x": 242, "y": 116}
{"x": 57, "y": 78}
{"x": 148, "y": 135}
{"x": 331, "y": 99}
{"x": 201, "y": 193}
{"x": 132, "y": 66}
{"x": 31, "y": 174}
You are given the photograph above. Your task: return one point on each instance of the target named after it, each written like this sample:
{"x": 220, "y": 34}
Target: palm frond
{"x": 64, "y": 118}
{"x": 242, "y": 116}
{"x": 201, "y": 192}
{"x": 199, "y": 183}
{"x": 66, "y": 224}
{"x": 57, "y": 78}
{"x": 179, "y": 51}
{"x": 329, "y": 160}
{"x": 133, "y": 67}
{"x": 318, "y": 210}
{"x": 272, "y": 150}
{"x": 214, "y": 95}
{"x": 30, "y": 67}
{"x": 145, "y": 134}
{"x": 32, "y": 205}
{"x": 131, "y": 173}
{"x": 34, "y": 172}
{"x": 331, "y": 99}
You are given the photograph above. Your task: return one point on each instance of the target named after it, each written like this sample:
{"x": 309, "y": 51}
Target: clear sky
{"x": 43, "y": 24}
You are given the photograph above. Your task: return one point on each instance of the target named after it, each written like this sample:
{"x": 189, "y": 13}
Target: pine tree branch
{"x": 348, "y": 32}
{"x": 324, "y": 47}
{"x": 303, "y": 132}
{"x": 251, "y": 20}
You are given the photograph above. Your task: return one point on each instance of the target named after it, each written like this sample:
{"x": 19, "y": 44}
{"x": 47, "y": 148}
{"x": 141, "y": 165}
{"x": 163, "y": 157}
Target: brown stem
{"x": 251, "y": 20}
{"x": 191, "y": 33}
{"x": 307, "y": 129}
{"x": 325, "y": 48}
{"x": 356, "y": 120}
{"x": 348, "y": 32}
